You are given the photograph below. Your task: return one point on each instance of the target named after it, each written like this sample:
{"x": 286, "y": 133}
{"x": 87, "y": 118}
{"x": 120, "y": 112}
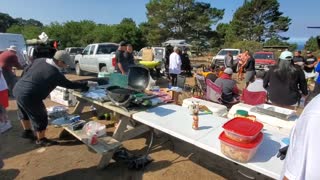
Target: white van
{"x": 8, "y": 39}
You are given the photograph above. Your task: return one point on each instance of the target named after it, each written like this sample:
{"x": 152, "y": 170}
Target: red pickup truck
{"x": 264, "y": 59}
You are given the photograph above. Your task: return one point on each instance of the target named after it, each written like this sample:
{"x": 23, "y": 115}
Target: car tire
{"x": 104, "y": 69}
{"x": 79, "y": 72}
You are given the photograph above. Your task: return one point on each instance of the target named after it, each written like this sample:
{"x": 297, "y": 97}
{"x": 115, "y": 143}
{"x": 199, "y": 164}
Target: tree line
{"x": 255, "y": 24}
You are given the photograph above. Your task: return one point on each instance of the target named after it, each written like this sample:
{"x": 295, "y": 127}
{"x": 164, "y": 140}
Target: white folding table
{"x": 176, "y": 121}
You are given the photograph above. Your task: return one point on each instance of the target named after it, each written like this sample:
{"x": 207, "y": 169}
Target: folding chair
{"x": 253, "y": 98}
{"x": 201, "y": 86}
{"x": 181, "y": 81}
{"x": 214, "y": 92}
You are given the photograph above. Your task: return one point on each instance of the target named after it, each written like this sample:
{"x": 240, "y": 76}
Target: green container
{"x": 242, "y": 113}
{"x": 117, "y": 79}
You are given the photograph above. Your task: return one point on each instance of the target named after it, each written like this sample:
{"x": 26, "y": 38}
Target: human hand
{"x": 282, "y": 153}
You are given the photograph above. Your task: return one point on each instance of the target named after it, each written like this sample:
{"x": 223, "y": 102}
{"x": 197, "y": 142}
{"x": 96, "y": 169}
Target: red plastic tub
{"x": 242, "y": 129}
{"x": 241, "y": 152}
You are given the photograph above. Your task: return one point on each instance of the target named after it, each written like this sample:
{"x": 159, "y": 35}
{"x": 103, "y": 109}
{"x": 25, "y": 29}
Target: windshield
{"x": 224, "y": 52}
{"x": 158, "y": 53}
{"x": 263, "y": 56}
{"x": 76, "y": 50}
{"x": 106, "y": 48}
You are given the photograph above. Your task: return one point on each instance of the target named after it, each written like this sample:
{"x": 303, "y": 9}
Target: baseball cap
{"x": 228, "y": 71}
{"x": 123, "y": 43}
{"x": 309, "y": 52}
{"x": 63, "y": 56}
{"x": 286, "y": 55}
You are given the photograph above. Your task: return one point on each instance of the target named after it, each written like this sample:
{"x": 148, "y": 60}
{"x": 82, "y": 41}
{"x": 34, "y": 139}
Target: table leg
{"x": 122, "y": 126}
{"x": 79, "y": 106}
{"x": 105, "y": 160}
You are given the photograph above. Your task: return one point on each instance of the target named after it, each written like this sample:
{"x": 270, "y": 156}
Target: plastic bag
{"x": 93, "y": 127}
{"x": 57, "y": 111}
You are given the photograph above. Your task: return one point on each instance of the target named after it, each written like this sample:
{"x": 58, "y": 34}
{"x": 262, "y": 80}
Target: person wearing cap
{"x": 284, "y": 81}
{"x": 35, "y": 85}
{"x": 122, "y": 65}
{"x": 175, "y": 65}
{"x": 310, "y": 62}
{"x": 298, "y": 59}
{"x": 8, "y": 60}
{"x": 230, "y": 91}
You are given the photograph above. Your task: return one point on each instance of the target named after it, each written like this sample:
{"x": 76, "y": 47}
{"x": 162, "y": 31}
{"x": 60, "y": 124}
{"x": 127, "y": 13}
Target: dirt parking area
{"x": 173, "y": 159}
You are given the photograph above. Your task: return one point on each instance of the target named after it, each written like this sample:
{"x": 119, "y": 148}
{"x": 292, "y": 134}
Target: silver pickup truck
{"x": 96, "y": 58}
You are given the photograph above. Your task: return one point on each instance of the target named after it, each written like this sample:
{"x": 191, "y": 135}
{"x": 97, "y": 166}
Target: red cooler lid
{"x": 243, "y": 126}
{"x": 250, "y": 145}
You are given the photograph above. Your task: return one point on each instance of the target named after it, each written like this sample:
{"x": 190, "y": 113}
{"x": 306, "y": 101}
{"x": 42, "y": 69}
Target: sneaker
{"x": 46, "y": 142}
{"x": 28, "y": 134}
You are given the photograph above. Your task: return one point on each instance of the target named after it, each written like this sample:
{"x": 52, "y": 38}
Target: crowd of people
{"x": 285, "y": 83}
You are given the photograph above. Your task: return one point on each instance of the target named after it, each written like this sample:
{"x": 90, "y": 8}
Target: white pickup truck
{"x": 96, "y": 58}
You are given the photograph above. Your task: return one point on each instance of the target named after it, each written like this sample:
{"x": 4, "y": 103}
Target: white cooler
{"x": 264, "y": 118}
{"x": 217, "y": 109}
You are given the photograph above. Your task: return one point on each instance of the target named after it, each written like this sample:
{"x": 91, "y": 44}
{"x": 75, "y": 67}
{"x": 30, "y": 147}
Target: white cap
{"x": 12, "y": 48}
{"x": 286, "y": 55}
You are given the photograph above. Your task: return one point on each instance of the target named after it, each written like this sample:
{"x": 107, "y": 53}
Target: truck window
{"x": 93, "y": 47}
{"x": 86, "y": 50}
{"x": 106, "y": 49}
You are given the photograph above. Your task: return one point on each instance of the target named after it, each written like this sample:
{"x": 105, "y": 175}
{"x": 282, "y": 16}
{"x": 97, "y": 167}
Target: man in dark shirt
{"x": 36, "y": 83}
{"x": 250, "y": 70}
{"x": 298, "y": 59}
{"x": 186, "y": 65}
{"x": 228, "y": 60}
{"x": 8, "y": 60}
{"x": 310, "y": 62}
{"x": 122, "y": 63}
{"x": 129, "y": 55}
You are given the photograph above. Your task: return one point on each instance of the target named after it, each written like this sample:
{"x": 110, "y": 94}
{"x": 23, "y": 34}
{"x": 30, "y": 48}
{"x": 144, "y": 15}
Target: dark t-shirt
{"x": 129, "y": 57}
{"x": 250, "y": 66}
{"x": 122, "y": 60}
{"x": 298, "y": 59}
{"x": 308, "y": 61}
{"x": 40, "y": 78}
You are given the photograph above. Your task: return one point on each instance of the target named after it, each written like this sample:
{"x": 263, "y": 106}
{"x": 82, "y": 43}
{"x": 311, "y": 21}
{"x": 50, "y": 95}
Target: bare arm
{"x": 121, "y": 69}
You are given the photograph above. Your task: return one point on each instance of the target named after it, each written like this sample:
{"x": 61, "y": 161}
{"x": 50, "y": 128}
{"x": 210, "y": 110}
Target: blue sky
{"x": 303, "y": 13}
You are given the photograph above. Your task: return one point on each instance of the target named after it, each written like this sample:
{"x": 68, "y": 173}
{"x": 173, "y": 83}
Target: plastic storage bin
{"x": 242, "y": 129}
{"x": 241, "y": 152}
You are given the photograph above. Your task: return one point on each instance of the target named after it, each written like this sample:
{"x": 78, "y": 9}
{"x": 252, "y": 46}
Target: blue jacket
{"x": 318, "y": 70}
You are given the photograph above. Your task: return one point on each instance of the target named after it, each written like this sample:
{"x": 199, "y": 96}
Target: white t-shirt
{"x": 174, "y": 63}
{"x": 303, "y": 156}
{"x": 256, "y": 86}
{"x": 3, "y": 83}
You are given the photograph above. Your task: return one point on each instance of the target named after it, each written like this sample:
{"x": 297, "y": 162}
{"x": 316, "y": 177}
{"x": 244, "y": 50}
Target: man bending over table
{"x": 36, "y": 83}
